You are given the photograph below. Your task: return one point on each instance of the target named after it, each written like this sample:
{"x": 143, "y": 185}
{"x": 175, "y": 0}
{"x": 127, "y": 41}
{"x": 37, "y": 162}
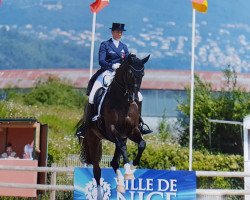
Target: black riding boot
{"x": 144, "y": 128}
{"x": 88, "y": 115}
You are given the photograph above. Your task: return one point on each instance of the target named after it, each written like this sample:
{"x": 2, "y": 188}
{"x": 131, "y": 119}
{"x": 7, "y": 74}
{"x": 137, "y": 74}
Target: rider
{"x": 111, "y": 54}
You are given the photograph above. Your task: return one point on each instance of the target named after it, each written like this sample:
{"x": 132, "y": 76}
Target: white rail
{"x": 222, "y": 174}
{"x": 38, "y": 186}
{"x": 220, "y": 192}
{"x": 37, "y": 169}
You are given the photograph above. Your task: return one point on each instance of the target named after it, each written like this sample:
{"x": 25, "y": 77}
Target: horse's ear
{"x": 144, "y": 60}
{"x": 129, "y": 57}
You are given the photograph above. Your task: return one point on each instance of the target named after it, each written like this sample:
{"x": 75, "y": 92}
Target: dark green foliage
{"x": 55, "y": 92}
{"x": 231, "y": 104}
{"x": 164, "y": 156}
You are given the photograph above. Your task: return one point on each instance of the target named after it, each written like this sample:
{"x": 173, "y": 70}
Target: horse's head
{"x": 131, "y": 72}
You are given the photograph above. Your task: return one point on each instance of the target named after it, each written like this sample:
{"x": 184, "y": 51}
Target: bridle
{"x": 132, "y": 74}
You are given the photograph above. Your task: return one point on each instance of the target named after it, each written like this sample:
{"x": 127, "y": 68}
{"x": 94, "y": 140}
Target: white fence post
{"x": 53, "y": 182}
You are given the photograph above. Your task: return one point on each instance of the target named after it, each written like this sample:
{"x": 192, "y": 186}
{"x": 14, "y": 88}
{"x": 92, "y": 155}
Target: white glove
{"x": 116, "y": 66}
{"x": 107, "y": 80}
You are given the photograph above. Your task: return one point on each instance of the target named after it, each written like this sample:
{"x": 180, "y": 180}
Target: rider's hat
{"x": 118, "y": 27}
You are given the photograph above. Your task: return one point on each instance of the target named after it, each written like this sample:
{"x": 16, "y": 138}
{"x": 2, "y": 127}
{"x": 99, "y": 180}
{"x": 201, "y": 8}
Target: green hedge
{"x": 165, "y": 155}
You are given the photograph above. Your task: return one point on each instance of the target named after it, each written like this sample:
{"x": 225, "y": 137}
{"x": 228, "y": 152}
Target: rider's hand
{"x": 116, "y": 66}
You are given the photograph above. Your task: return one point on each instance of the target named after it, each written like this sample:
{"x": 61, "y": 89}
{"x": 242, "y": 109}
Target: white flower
{"x": 91, "y": 190}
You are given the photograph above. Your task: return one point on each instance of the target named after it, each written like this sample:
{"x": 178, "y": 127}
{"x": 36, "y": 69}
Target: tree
{"x": 49, "y": 91}
{"x": 232, "y": 103}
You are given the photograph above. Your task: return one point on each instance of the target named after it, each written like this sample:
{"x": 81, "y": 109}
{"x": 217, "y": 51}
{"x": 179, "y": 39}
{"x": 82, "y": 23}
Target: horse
{"x": 119, "y": 122}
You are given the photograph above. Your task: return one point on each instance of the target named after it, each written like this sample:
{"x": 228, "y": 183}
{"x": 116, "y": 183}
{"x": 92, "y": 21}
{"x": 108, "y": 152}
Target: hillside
{"x": 58, "y": 32}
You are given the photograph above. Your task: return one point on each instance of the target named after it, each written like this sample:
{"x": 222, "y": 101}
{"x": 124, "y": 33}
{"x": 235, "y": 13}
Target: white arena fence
{"x": 66, "y": 170}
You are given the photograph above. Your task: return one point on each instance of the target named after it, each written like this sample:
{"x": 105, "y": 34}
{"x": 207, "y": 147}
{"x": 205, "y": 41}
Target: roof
{"x": 17, "y": 123}
{"x": 153, "y": 79}
{"x": 17, "y": 120}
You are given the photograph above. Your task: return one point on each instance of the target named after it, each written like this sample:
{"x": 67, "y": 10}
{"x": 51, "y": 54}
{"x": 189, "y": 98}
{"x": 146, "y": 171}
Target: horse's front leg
{"x": 137, "y": 138}
{"x": 115, "y": 163}
{"x": 121, "y": 145}
{"x": 119, "y": 142}
{"x": 129, "y": 172}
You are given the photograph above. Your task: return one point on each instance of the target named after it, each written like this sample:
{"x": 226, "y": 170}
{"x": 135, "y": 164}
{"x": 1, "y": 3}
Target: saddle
{"x": 98, "y": 100}
{"x": 92, "y": 81}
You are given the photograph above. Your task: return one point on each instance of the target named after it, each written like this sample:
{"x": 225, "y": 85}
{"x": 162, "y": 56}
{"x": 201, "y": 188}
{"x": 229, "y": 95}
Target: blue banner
{"x": 148, "y": 184}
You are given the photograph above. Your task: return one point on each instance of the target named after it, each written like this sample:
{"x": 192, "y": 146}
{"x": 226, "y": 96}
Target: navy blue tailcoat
{"x": 109, "y": 54}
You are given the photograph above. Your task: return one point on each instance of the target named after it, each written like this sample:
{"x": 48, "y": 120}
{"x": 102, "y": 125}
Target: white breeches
{"x": 104, "y": 80}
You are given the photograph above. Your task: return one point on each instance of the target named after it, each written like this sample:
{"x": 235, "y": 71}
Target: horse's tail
{"x": 87, "y": 145}
{"x": 84, "y": 153}
{"x": 84, "y": 149}
{"x": 79, "y": 126}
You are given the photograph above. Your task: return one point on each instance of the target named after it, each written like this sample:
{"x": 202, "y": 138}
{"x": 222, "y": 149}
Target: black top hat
{"x": 118, "y": 27}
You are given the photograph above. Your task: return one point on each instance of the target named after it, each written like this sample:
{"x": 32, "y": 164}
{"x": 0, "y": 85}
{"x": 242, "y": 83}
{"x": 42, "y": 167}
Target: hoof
{"x": 129, "y": 172}
{"x": 99, "y": 193}
{"x": 120, "y": 188}
{"x": 133, "y": 167}
{"x": 129, "y": 177}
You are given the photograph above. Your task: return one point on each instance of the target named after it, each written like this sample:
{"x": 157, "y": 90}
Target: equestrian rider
{"x": 111, "y": 54}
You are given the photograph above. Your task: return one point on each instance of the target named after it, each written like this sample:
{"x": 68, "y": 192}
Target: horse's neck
{"x": 117, "y": 91}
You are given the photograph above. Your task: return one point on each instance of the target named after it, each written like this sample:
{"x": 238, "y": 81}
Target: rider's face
{"x": 117, "y": 34}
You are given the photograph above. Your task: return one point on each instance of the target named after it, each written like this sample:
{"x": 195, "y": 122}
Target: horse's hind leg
{"x": 95, "y": 151}
{"x": 97, "y": 176}
{"x": 115, "y": 163}
{"x": 95, "y": 162}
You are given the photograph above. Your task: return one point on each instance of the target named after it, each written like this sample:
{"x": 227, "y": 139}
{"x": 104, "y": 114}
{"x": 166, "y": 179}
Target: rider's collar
{"x": 116, "y": 42}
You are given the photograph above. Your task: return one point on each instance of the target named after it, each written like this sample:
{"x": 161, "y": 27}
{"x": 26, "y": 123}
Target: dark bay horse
{"x": 119, "y": 122}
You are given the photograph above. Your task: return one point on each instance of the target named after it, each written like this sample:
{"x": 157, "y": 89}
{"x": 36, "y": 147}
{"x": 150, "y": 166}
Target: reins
{"x": 137, "y": 70}
{"x": 121, "y": 87}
